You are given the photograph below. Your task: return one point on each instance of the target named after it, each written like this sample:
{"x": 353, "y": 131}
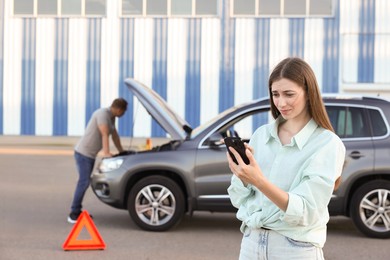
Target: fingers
{"x": 250, "y": 148}
{"x": 237, "y": 156}
{"x": 230, "y": 160}
{"x": 250, "y": 156}
{"x": 237, "y": 170}
{"x": 231, "y": 163}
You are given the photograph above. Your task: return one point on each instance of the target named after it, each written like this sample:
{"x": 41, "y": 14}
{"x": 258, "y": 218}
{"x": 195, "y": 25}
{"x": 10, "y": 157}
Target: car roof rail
{"x": 353, "y": 96}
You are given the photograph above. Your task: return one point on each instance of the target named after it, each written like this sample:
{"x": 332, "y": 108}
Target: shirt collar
{"x": 303, "y": 136}
{"x": 300, "y": 139}
{"x": 273, "y": 130}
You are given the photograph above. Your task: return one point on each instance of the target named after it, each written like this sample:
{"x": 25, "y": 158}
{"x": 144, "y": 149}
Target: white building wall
{"x": 210, "y": 57}
{"x": 382, "y": 43}
{"x": 143, "y": 67}
{"x": 12, "y": 81}
{"x": 349, "y": 29}
{"x": 176, "y": 64}
{"x": 314, "y": 35}
{"x": 44, "y": 79}
{"x": 110, "y": 54}
{"x": 178, "y": 56}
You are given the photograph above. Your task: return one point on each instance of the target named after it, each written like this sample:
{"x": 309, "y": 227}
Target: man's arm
{"x": 105, "y": 141}
{"x": 117, "y": 140}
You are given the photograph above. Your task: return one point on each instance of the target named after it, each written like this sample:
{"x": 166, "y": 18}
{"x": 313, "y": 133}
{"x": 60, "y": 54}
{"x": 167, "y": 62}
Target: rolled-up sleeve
{"x": 238, "y": 192}
{"x": 308, "y": 201}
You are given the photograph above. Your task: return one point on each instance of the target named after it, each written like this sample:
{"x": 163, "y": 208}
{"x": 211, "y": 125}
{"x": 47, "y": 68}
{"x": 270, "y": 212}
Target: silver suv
{"x": 190, "y": 172}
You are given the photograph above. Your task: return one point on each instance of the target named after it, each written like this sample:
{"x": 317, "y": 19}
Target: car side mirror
{"x": 214, "y": 140}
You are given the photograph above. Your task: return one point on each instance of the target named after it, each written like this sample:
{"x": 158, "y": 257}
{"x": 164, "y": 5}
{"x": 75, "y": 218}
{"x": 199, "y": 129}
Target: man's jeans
{"x": 84, "y": 167}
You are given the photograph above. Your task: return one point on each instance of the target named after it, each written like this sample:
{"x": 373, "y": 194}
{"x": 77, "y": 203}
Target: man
{"x": 96, "y": 138}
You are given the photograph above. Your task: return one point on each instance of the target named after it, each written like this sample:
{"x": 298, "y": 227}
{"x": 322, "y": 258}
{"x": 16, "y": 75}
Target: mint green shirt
{"x": 306, "y": 168}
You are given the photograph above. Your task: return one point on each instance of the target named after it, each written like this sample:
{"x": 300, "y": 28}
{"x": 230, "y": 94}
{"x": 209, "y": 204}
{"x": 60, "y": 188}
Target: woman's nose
{"x": 281, "y": 102}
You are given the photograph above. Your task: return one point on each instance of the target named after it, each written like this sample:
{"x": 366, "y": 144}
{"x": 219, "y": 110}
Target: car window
{"x": 244, "y": 125}
{"x": 348, "y": 122}
{"x": 378, "y": 124}
{"x": 250, "y": 122}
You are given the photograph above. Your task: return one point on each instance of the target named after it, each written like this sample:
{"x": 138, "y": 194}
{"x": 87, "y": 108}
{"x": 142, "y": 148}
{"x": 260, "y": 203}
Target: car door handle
{"x": 355, "y": 155}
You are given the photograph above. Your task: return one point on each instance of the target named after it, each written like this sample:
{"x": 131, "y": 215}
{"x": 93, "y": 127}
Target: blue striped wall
{"x": 226, "y": 76}
{"x": 297, "y": 37}
{"x": 126, "y": 70}
{"x": 159, "y": 77}
{"x": 60, "y": 95}
{"x": 200, "y": 65}
{"x": 366, "y": 41}
{"x": 93, "y": 66}
{"x": 192, "y": 97}
{"x": 28, "y": 77}
{"x": 262, "y": 66}
{"x": 330, "y": 78}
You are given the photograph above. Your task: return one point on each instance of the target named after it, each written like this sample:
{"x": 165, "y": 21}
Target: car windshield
{"x": 202, "y": 127}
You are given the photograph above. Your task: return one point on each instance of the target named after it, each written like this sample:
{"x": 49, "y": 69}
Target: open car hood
{"x": 159, "y": 109}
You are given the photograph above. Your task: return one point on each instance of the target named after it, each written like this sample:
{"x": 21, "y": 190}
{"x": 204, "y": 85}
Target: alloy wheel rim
{"x": 374, "y": 210}
{"x": 155, "y": 205}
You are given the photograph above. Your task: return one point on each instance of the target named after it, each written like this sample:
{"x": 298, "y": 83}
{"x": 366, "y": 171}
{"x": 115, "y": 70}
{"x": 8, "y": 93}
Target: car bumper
{"x": 105, "y": 188}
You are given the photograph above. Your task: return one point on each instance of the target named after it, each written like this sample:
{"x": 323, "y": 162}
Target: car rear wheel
{"x": 156, "y": 203}
{"x": 370, "y": 209}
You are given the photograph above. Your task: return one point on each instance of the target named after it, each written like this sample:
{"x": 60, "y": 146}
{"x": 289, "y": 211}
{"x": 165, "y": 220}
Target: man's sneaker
{"x": 72, "y": 218}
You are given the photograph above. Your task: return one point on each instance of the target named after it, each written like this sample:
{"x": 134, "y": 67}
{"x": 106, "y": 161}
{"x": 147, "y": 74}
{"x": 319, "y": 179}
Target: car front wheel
{"x": 370, "y": 209}
{"x": 156, "y": 203}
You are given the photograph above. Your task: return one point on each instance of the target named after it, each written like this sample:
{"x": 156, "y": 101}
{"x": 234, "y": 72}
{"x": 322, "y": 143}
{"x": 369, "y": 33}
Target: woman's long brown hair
{"x": 298, "y": 71}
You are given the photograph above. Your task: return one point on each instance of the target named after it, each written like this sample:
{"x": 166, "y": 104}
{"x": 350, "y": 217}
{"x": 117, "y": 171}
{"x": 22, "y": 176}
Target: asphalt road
{"x": 36, "y": 187}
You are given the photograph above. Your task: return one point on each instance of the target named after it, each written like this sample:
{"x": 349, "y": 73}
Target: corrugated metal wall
{"x": 365, "y": 43}
{"x": 54, "y": 72}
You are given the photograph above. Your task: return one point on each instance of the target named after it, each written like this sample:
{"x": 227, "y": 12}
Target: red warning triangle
{"x": 73, "y": 243}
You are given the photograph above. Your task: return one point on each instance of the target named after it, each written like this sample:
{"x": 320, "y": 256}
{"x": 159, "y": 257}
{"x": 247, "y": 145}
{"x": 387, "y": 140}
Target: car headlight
{"x": 110, "y": 164}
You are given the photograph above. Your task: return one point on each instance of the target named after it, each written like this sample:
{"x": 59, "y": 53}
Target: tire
{"x": 370, "y": 209}
{"x": 152, "y": 212}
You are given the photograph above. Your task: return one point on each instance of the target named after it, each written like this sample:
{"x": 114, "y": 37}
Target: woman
{"x": 283, "y": 194}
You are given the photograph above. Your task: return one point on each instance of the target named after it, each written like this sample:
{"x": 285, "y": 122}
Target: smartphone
{"x": 239, "y": 146}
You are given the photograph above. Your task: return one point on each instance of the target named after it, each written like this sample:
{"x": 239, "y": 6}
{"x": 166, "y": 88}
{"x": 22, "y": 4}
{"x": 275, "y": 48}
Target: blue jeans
{"x": 262, "y": 244}
{"x": 84, "y": 167}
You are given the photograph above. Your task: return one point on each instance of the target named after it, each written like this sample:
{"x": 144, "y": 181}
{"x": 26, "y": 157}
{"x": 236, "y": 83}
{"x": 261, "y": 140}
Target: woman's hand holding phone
{"x": 248, "y": 172}
{"x": 239, "y": 146}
